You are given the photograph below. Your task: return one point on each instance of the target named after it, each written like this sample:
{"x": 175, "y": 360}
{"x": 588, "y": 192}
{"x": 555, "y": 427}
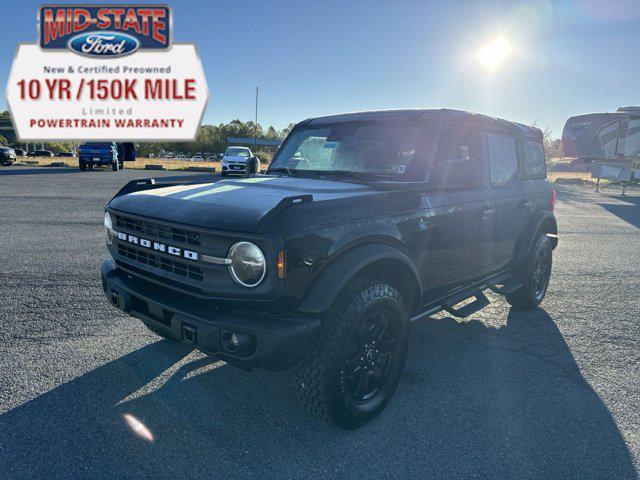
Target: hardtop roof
{"x": 448, "y": 116}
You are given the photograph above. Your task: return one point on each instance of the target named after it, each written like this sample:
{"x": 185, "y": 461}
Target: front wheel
{"x": 352, "y": 371}
{"x": 534, "y": 275}
{"x": 115, "y": 166}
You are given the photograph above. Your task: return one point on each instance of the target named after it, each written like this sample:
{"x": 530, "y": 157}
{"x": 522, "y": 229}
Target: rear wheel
{"x": 115, "y": 166}
{"x": 534, "y": 275}
{"x": 353, "y": 369}
{"x": 83, "y": 166}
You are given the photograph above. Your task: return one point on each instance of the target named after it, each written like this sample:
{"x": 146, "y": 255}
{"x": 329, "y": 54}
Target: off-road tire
{"x": 529, "y": 295}
{"x": 320, "y": 376}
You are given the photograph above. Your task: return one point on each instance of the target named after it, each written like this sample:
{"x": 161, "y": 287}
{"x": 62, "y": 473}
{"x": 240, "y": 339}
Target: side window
{"x": 457, "y": 163}
{"x": 459, "y": 144}
{"x": 533, "y": 159}
{"x": 503, "y": 158}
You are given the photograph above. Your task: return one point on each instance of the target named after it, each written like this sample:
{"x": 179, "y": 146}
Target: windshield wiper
{"x": 281, "y": 170}
{"x": 362, "y": 176}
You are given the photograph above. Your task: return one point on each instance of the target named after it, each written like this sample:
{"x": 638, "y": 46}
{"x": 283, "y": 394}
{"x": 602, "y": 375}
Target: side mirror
{"x": 456, "y": 173}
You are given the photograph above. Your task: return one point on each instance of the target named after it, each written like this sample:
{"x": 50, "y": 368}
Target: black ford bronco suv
{"x": 362, "y": 223}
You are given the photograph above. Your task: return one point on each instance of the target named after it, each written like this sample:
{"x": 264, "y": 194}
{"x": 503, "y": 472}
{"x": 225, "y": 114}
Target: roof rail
{"x": 629, "y": 109}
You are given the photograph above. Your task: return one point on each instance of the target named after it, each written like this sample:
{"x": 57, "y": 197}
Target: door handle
{"x": 487, "y": 212}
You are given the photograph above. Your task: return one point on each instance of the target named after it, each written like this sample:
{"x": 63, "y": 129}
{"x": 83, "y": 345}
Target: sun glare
{"x": 494, "y": 53}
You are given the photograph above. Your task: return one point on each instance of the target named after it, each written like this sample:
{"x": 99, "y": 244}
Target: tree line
{"x": 213, "y": 139}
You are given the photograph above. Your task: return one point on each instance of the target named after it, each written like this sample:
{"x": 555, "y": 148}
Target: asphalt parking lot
{"x": 553, "y": 393}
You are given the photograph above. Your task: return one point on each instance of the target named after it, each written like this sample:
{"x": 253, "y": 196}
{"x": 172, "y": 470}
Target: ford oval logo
{"x": 104, "y": 44}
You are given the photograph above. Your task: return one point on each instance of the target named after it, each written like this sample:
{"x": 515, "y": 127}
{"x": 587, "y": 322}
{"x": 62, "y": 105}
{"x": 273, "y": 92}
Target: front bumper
{"x": 279, "y": 340}
{"x": 234, "y": 167}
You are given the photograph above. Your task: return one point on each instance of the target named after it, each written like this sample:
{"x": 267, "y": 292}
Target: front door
{"x": 463, "y": 221}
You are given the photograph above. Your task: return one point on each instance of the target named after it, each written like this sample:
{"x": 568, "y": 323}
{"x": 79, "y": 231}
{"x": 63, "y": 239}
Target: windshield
{"x": 370, "y": 148}
{"x": 238, "y": 152}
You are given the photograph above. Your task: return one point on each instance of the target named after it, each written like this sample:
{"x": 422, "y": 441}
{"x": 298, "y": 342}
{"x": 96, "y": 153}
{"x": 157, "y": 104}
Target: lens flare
{"x": 494, "y": 53}
{"x": 138, "y": 427}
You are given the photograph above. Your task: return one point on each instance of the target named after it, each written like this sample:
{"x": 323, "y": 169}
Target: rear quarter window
{"x": 533, "y": 163}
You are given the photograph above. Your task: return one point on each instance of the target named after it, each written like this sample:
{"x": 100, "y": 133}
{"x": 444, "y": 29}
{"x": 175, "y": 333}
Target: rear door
{"x": 461, "y": 245}
{"x": 533, "y": 176}
{"x": 513, "y": 209}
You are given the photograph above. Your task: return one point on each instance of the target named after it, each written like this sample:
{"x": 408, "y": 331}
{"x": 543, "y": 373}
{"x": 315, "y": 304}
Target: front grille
{"x": 147, "y": 274}
{"x": 182, "y": 269}
{"x": 154, "y": 231}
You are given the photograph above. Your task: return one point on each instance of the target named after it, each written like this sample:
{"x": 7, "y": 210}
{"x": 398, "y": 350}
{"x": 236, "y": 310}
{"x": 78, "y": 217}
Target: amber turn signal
{"x": 280, "y": 264}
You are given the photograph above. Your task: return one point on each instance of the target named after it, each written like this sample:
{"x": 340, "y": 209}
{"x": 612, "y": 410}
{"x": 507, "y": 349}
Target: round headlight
{"x": 108, "y": 227}
{"x": 248, "y": 266}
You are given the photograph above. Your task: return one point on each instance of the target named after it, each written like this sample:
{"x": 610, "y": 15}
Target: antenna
{"x": 255, "y": 127}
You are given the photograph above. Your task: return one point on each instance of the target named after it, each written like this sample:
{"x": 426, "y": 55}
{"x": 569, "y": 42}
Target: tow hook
{"x": 189, "y": 333}
{"x": 115, "y": 298}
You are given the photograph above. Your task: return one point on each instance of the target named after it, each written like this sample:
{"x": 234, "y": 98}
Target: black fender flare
{"x": 541, "y": 219}
{"x": 334, "y": 277}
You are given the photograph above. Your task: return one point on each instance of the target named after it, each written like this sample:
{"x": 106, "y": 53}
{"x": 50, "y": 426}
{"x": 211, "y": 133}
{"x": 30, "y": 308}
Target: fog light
{"x": 233, "y": 343}
{"x": 238, "y": 343}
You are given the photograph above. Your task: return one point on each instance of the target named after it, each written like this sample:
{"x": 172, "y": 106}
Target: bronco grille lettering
{"x": 160, "y": 247}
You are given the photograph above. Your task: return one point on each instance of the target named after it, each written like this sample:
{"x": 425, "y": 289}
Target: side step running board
{"x": 479, "y": 303}
{"x": 502, "y": 283}
{"x": 506, "y": 288}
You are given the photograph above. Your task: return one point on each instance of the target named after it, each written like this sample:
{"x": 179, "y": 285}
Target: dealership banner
{"x": 106, "y": 72}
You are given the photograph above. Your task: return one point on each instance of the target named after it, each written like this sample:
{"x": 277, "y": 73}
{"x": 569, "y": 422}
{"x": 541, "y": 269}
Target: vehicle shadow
{"x": 629, "y": 211}
{"x": 37, "y": 171}
{"x": 475, "y": 401}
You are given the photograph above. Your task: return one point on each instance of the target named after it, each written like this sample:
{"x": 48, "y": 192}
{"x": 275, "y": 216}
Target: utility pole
{"x": 255, "y": 127}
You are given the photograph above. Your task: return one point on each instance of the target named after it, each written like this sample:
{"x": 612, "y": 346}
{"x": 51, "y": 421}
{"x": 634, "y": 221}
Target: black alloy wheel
{"x": 372, "y": 349}
{"x": 542, "y": 273}
{"x": 534, "y": 274}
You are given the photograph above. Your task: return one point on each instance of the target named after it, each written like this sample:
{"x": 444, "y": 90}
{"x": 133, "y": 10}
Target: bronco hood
{"x": 241, "y": 205}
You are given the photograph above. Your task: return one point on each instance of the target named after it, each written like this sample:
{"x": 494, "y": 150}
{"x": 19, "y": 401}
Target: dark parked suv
{"x": 7, "y": 156}
{"x": 362, "y": 223}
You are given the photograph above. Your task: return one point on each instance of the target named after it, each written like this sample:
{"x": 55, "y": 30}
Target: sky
{"x": 324, "y": 57}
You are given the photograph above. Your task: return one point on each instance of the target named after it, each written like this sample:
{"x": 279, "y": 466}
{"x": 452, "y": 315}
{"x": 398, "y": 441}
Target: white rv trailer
{"x": 609, "y": 141}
